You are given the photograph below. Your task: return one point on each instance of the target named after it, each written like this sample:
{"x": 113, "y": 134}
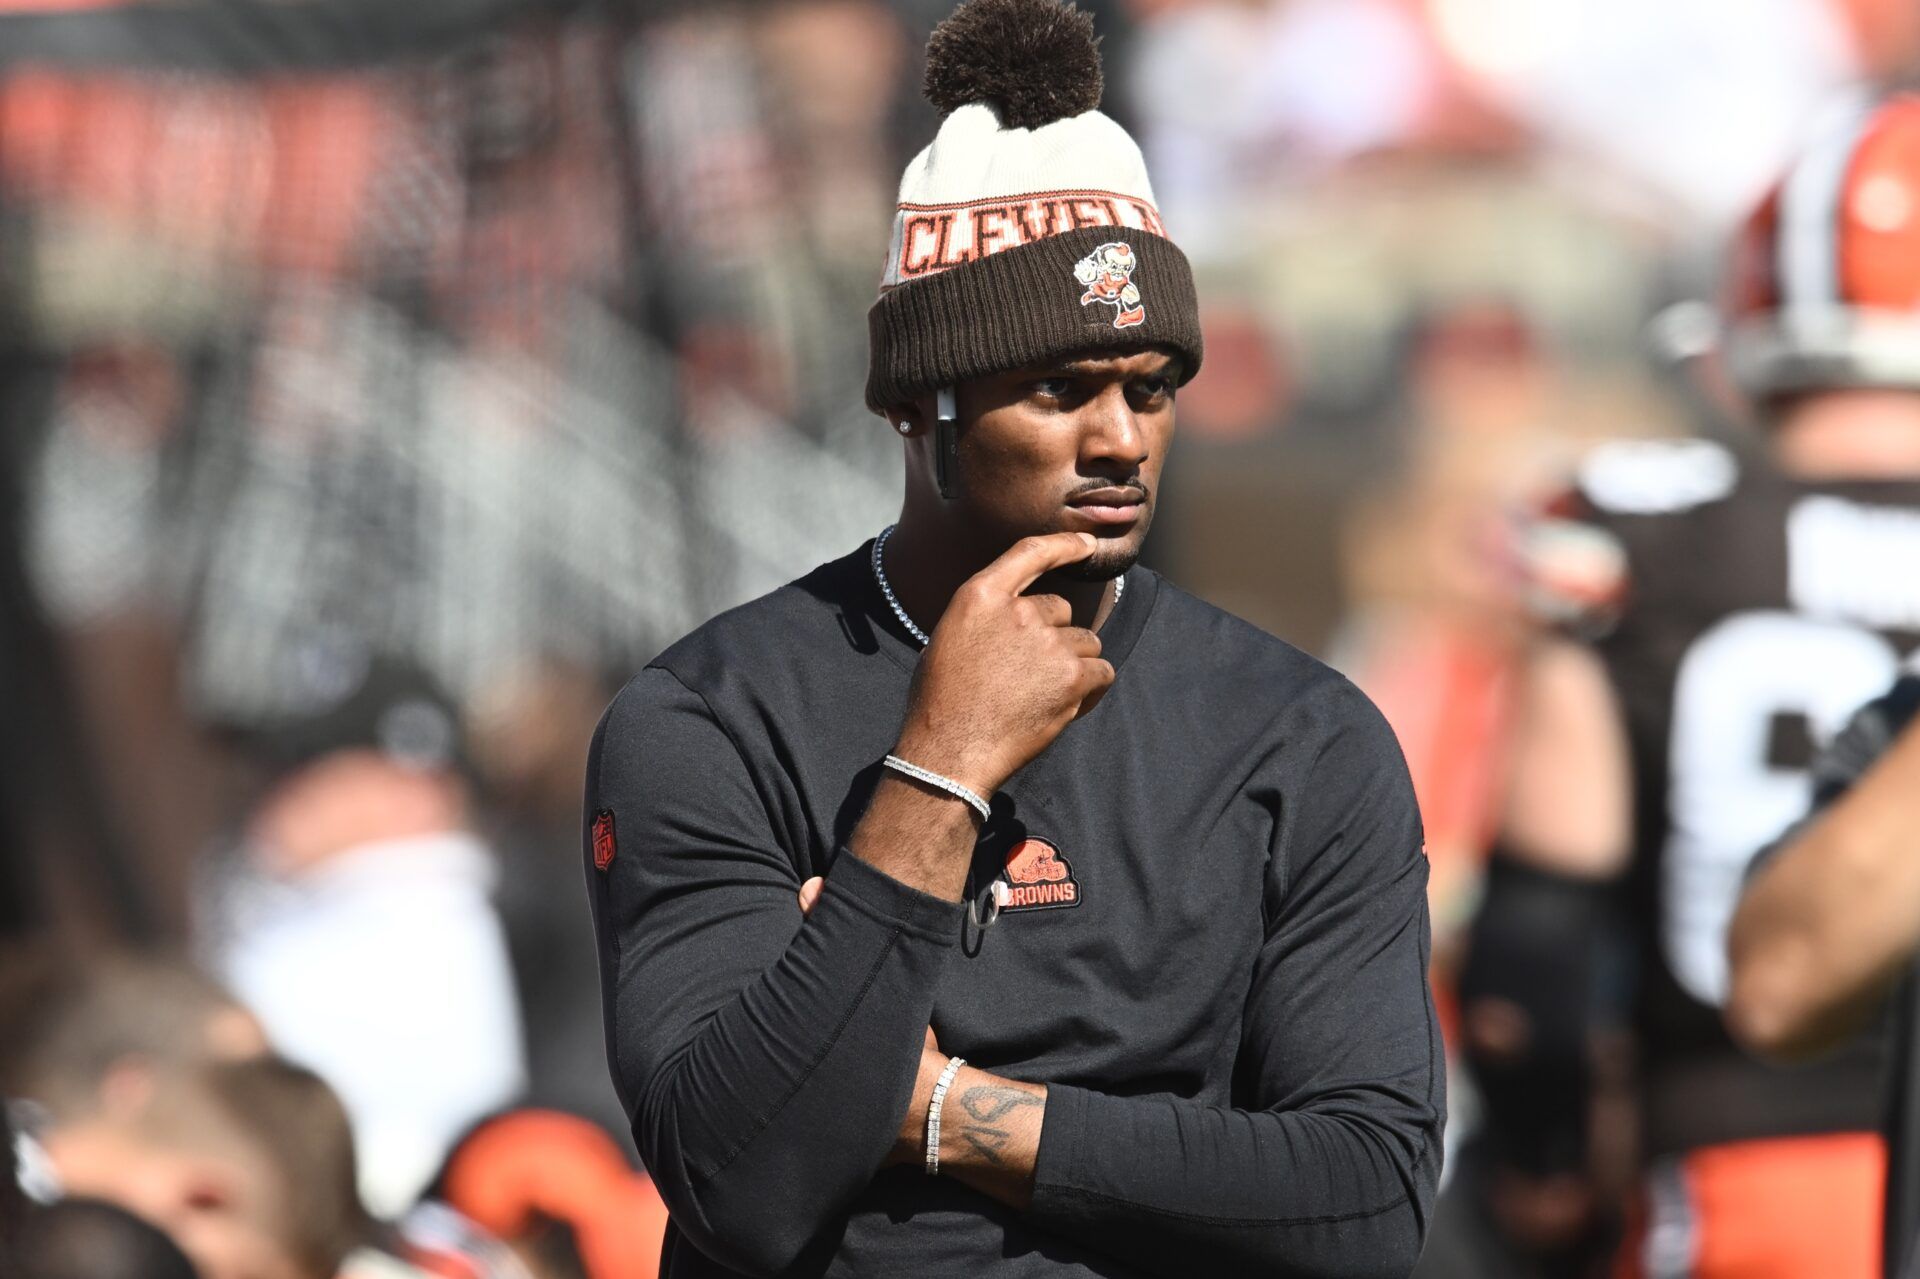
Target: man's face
{"x": 218, "y": 1205}
{"x": 1071, "y": 447}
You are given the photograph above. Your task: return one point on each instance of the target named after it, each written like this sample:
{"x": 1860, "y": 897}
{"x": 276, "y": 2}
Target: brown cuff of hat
{"x": 1022, "y": 307}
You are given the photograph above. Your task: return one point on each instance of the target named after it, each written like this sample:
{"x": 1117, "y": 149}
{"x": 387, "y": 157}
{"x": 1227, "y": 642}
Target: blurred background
{"x": 381, "y": 385}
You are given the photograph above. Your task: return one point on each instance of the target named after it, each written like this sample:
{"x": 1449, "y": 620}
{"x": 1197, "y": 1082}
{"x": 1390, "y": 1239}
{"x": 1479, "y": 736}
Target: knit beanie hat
{"x": 1027, "y": 230}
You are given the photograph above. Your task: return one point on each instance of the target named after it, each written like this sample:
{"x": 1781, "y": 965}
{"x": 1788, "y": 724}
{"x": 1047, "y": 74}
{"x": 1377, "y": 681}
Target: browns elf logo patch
{"x": 603, "y": 848}
{"x": 1107, "y": 275}
{"x": 1039, "y": 878}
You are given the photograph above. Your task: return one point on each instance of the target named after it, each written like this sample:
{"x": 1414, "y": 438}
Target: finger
{"x": 1051, "y": 609}
{"x": 810, "y": 893}
{"x": 1097, "y": 678}
{"x": 1096, "y": 675}
{"x": 1080, "y": 641}
{"x": 1030, "y": 557}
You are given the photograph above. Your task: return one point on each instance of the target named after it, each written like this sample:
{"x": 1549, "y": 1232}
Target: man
{"x": 85, "y": 1050}
{"x": 1155, "y": 876}
{"x": 1750, "y": 608}
{"x": 74, "y": 1035}
{"x": 247, "y": 1165}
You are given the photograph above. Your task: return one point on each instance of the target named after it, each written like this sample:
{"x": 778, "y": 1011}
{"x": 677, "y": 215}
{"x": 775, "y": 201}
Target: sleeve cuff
{"x": 1058, "y": 1159}
{"x": 886, "y": 898}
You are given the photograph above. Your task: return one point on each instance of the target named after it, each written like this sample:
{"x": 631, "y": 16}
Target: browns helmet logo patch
{"x": 603, "y": 839}
{"x": 1107, "y": 275}
{"x": 1039, "y": 878}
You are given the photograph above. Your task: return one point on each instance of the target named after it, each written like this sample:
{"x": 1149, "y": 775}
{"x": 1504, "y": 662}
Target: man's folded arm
{"x": 1329, "y": 1166}
{"x": 765, "y": 1061}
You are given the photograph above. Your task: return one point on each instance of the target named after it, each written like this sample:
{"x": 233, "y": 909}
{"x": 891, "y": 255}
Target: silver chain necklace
{"x": 893, "y": 602}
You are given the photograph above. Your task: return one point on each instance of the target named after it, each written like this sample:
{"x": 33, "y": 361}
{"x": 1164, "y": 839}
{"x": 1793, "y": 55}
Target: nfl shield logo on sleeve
{"x": 603, "y": 839}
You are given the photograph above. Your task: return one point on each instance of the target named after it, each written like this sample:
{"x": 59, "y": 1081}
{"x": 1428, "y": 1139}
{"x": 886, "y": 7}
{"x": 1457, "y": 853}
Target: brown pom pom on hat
{"x": 1027, "y": 230}
{"x": 1034, "y": 63}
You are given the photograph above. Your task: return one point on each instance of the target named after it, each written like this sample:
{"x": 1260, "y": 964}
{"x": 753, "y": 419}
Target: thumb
{"x": 810, "y": 893}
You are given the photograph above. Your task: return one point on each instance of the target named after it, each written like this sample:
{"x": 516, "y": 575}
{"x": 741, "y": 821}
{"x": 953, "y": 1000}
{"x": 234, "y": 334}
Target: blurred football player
{"x": 1728, "y": 613}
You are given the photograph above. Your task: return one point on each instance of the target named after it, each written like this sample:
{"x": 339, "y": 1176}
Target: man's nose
{"x": 1113, "y": 432}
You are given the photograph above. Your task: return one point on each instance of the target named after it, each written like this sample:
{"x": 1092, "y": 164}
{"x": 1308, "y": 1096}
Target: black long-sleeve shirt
{"x": 1217, "y": 965}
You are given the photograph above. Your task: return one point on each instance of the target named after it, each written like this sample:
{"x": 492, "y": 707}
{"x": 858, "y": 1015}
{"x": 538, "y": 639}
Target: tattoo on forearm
{"x": 985, "y": 1106}
{"x": 988, "y": 1102}
{"x": 986, "y": 1142}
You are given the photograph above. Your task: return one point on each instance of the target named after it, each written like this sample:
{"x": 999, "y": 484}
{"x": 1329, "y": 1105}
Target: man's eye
{"x": 1055, "y": 388}
{"x": 1155, "y": 387}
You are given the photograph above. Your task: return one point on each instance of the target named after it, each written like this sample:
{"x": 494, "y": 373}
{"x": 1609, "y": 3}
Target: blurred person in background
{"x": 1190, "y": 925}
{"x": 247, "y": 1165}
{"x": 1493, "y": 397}
{"x": 1439, "y": 634}
{"x": 1734, "y": 610}
{"x": 355, "y": 918}
{"x": 74, "y": 1034}
{"x": 1434, "y": 625}
{"x": 84, "y": 1042}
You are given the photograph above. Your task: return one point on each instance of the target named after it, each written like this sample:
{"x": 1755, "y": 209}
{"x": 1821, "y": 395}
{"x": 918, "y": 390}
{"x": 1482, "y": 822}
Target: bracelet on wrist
{"x": 938, "y": 782}
{"x": 933, "y": 1113}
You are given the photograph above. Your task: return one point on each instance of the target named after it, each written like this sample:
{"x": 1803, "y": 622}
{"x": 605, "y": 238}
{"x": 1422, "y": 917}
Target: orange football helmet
{"x": 1824, "y": 289}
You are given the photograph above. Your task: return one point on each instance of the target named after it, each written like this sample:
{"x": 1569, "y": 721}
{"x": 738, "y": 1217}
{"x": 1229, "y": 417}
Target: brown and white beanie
{"x": 1027, "y": 230}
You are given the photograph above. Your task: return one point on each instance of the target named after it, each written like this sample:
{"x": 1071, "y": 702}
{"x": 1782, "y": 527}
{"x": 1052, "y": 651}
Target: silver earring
{"x": 906, "y": 428}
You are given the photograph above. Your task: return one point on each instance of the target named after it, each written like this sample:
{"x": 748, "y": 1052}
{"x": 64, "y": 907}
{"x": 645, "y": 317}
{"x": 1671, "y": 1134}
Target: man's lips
{"x": 1119, "y": 505}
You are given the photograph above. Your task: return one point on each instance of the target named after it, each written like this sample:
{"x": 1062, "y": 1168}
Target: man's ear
{"x": 913, "y": 418}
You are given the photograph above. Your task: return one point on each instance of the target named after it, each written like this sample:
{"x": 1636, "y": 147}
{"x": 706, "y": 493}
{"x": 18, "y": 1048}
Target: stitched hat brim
{"x": 1024, "y": 306}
